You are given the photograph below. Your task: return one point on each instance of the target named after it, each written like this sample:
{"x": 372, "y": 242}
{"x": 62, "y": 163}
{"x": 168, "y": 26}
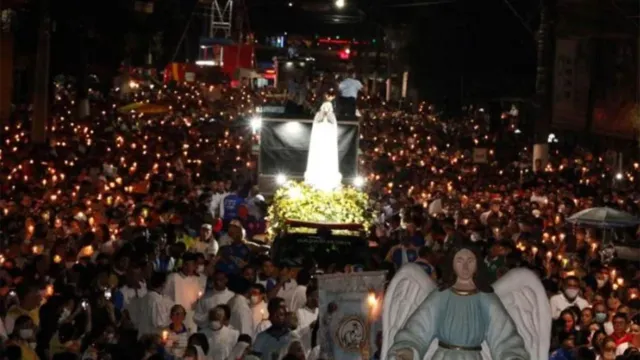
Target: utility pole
{"x": 543, "y": 99}
{"x": 41, "y": 88}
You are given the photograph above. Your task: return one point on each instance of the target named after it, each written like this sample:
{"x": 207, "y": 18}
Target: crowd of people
{"x": 126, "y": 236}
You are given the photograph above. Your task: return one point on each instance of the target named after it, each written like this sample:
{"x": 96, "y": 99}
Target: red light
{"x": 344, "y": 54}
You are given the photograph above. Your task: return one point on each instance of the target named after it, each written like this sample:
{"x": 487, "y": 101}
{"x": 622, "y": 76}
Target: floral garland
{"x": 299, "y": 201}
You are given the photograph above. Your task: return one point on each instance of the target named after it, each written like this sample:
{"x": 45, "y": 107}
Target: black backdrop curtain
{"x": 284, "y": 147}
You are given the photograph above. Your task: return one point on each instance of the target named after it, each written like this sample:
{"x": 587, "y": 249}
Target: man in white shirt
{"x": 184, "y": 288}
{"x": 286, "y": 287}
{"x": 220, "y": 336}
{"x": 134, "y": 288}
{"x": 299, "y": 298}
{"x": 349, "y": 88}
{"x": 241, "y": 317}
{"x": 215, "y": 294}
{"x": 307, "y": 315}
{"x": 570, "y": 296}
{"x": 154, "y": 309}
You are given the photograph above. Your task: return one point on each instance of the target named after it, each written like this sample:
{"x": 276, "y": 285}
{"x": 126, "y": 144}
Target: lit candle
{"x": 49, "y": 290}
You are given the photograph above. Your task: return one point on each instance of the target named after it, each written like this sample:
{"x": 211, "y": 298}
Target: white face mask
{"x": 256, "y": 299}
{"x": 200, "y": 269}
{"x": 26, "y": 333}
{"x": 601, "y": 283}
{"x": 216, "y": 325}
{"x": 571, "y": 293}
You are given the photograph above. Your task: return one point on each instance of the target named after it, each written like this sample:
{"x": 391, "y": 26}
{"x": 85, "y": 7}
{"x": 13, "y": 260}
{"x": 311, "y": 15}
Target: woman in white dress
{"x": 323, "y": 171}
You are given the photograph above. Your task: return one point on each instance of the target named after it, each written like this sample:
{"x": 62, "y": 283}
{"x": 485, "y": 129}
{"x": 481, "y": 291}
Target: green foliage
{"x": 299, "y": 201}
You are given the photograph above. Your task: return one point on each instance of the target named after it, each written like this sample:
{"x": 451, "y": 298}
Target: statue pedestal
{"x": 348, "y": 331}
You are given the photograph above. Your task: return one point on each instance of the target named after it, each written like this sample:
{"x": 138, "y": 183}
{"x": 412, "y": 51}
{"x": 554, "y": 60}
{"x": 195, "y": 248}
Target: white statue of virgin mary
{"x": 323, "y": 171}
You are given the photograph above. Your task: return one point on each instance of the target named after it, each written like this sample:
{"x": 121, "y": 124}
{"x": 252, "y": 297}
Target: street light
{"x": 340, "y": 4}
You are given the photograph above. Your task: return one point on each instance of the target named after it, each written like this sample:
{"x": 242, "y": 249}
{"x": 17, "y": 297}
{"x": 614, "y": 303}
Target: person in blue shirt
{"x": 230, "y": 206}
{"x": 566, "y": 351}
{"x": 403, "y": 253}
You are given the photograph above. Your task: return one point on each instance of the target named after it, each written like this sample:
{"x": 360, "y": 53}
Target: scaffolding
{"x": 221, "y": 19}
{"x": 218, "y": 26}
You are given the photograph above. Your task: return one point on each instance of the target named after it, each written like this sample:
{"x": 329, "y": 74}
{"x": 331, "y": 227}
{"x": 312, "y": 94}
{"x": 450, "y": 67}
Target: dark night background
{"x": 469, "y": 48}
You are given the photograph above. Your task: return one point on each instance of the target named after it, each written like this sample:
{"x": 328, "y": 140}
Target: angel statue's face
{"x": 464, "y": 264}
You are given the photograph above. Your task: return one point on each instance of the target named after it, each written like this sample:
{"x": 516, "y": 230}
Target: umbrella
{"x": 604, "y": 217}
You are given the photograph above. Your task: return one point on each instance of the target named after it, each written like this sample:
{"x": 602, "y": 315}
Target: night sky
{"x": 470, "y": 48}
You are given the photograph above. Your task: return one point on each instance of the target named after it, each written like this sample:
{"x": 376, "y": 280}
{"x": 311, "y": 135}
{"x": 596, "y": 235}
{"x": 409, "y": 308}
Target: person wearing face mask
{"x": 220, "y": 336}
{"x": 608, "y": 350}
{"x": 569, "y": 297}
{"x": 216, "y": 293}
{"x": 23, "y": 336}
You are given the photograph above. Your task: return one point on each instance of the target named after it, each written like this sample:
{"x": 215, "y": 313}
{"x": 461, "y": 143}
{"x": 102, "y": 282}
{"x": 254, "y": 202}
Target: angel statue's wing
{"x": 406, "y": 291}
{"x": 526, "y": 301}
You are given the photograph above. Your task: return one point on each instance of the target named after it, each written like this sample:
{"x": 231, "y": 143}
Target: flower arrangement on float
{"x": 301, "y": 202}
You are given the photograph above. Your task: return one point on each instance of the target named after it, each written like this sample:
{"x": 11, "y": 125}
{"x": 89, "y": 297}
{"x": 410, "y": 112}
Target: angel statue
{"x": 323, "y": 171}
{"x": 467, "y": 317}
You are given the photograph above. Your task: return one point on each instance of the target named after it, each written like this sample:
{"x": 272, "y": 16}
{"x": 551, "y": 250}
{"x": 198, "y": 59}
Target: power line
{"x": 515, "y": 12}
